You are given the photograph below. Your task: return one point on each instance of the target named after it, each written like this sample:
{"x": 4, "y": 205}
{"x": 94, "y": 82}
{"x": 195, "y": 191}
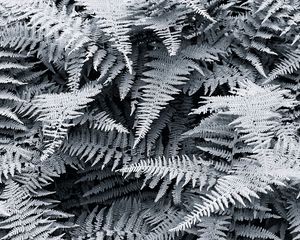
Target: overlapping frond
{"x": 56, "y": 111}
{"x": 161, "y": 83}
{"x": 255, "y": 108}
{"x": 96, "y": 110}
{"x": 114, "y": 18}
{"x": 186, "y": 169}
{"x": 28, "y": 215}
{"x": 213, "y": 228}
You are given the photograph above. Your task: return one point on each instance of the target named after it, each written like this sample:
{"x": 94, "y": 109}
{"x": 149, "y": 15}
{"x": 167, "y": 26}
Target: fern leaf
{"x": 96, "y": 146}
{"x": 5, "y": 95}
{"x": 252, "y": 123}
{"x": 287, "y": 66}
{"x": 74, "y": 67}
{"x": 198, "y": 8}
{"x": 37, "y": 221}
{"x": 213, "y": 228}
{"x": 102, "y": 121}
{"x": 254, "y": 232}
{"x": 158, "y": 126}
{"x": 114, "y": 20}
{"x": 6, "y": 112}
{"x": 255, "y": 61}
{"x": 10, "y": 65}
{"x": 293, "y": 217}
{"x": 184, "y": 169}
{"x": 98, "y": 58}
{"x": 203, "y": 52}
{"x": 228, "y": 190}
{"x": 56, "y": 110}
{"x": 12, "y": 158}
{"x": 126, "y": 83}
{"x": 168, "y": 27}
{"x": 8, "y": 54}
{"x": 4, "y": 79}
{"x": 167, "y": 73}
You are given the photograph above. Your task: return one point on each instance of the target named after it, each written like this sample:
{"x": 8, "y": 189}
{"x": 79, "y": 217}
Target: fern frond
{"x": 74, "y": 66}
{"x": 105, "y": 185}
{"x": 262, "y": 47}
{"x": 126, "y": 83}
{"x": 287, "y": 66}
{"x": 185, "y": 169}
{"x": 214, "y": 227}
{"x": 115, "y": 21}
{"x": 158, "y": 126}
{"x": 12, "y": 158}
{"x": 256, "y": 62}
{"x": 69, "y": 29}
{"x": 212, "y": 126}
{"x": 247, "y": 214}
{"x": 161, "y": 218}
{"x": 56, "y": 110}
{"x": 7, "y": 113}
{"x": 97, "y": 146}
{"x": 5, "y": 79}
{"x": 255, "y": 123}
{"x": 127, "y": 219}
{"x": 229, "y": 189}
{"x": 132, "y": 188}
{"x": 5, "y": 95}
{"x": 10, "y": 65}
{"x": 254, "y": 232}
{"x": 9, "y": 54}
{"x": 220, "y": 75}
{"x": 102, "y": 121}
{"x": 20, "y": 37}
{"x": 167, "y": 73}
{"x": 29, "y": 216}
{"x": 168, "y": 27}
{"x": 264, "y": 5}
{"x": 98, "y": 57}
{"x": 293, "y": 217}
{"x": 197, "y": 6}
{"x": 203, "y": 52}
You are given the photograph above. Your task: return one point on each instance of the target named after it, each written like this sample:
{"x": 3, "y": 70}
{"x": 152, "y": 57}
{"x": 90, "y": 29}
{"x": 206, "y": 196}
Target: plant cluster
{"x": 149, "y": 119}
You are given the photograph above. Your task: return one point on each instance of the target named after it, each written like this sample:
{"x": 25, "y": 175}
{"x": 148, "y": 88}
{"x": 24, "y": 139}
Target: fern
{"x": 102, "y": 135}
{"x": 213, "y": 228}
{"x": 114, "y": 20}
{"x": 162, "y": 80}
{"x": 251, "y": 125}
{"x": 253, "y": 232}
{"x": 229, "y": 189}
{"x": 168, "y": 27}
{"x": 184, "y": 169}
{"x": 27, "y": 217}
{"x": 100, "y": 223}
{"x": 97, "y": 146}
{"x": 55, "y": 115}
{"x": 293, "y": 219}
{"x": 12, "y": 158}
{"x": 198, "y": 8}
{"x": 102, "y": 121}
{"x": 287, "y": 66}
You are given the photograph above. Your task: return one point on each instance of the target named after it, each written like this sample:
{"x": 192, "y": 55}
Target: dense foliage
{"x": 149, "y": 119}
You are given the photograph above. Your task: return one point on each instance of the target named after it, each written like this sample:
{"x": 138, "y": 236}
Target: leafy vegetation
{"x": 149, "y": 119}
